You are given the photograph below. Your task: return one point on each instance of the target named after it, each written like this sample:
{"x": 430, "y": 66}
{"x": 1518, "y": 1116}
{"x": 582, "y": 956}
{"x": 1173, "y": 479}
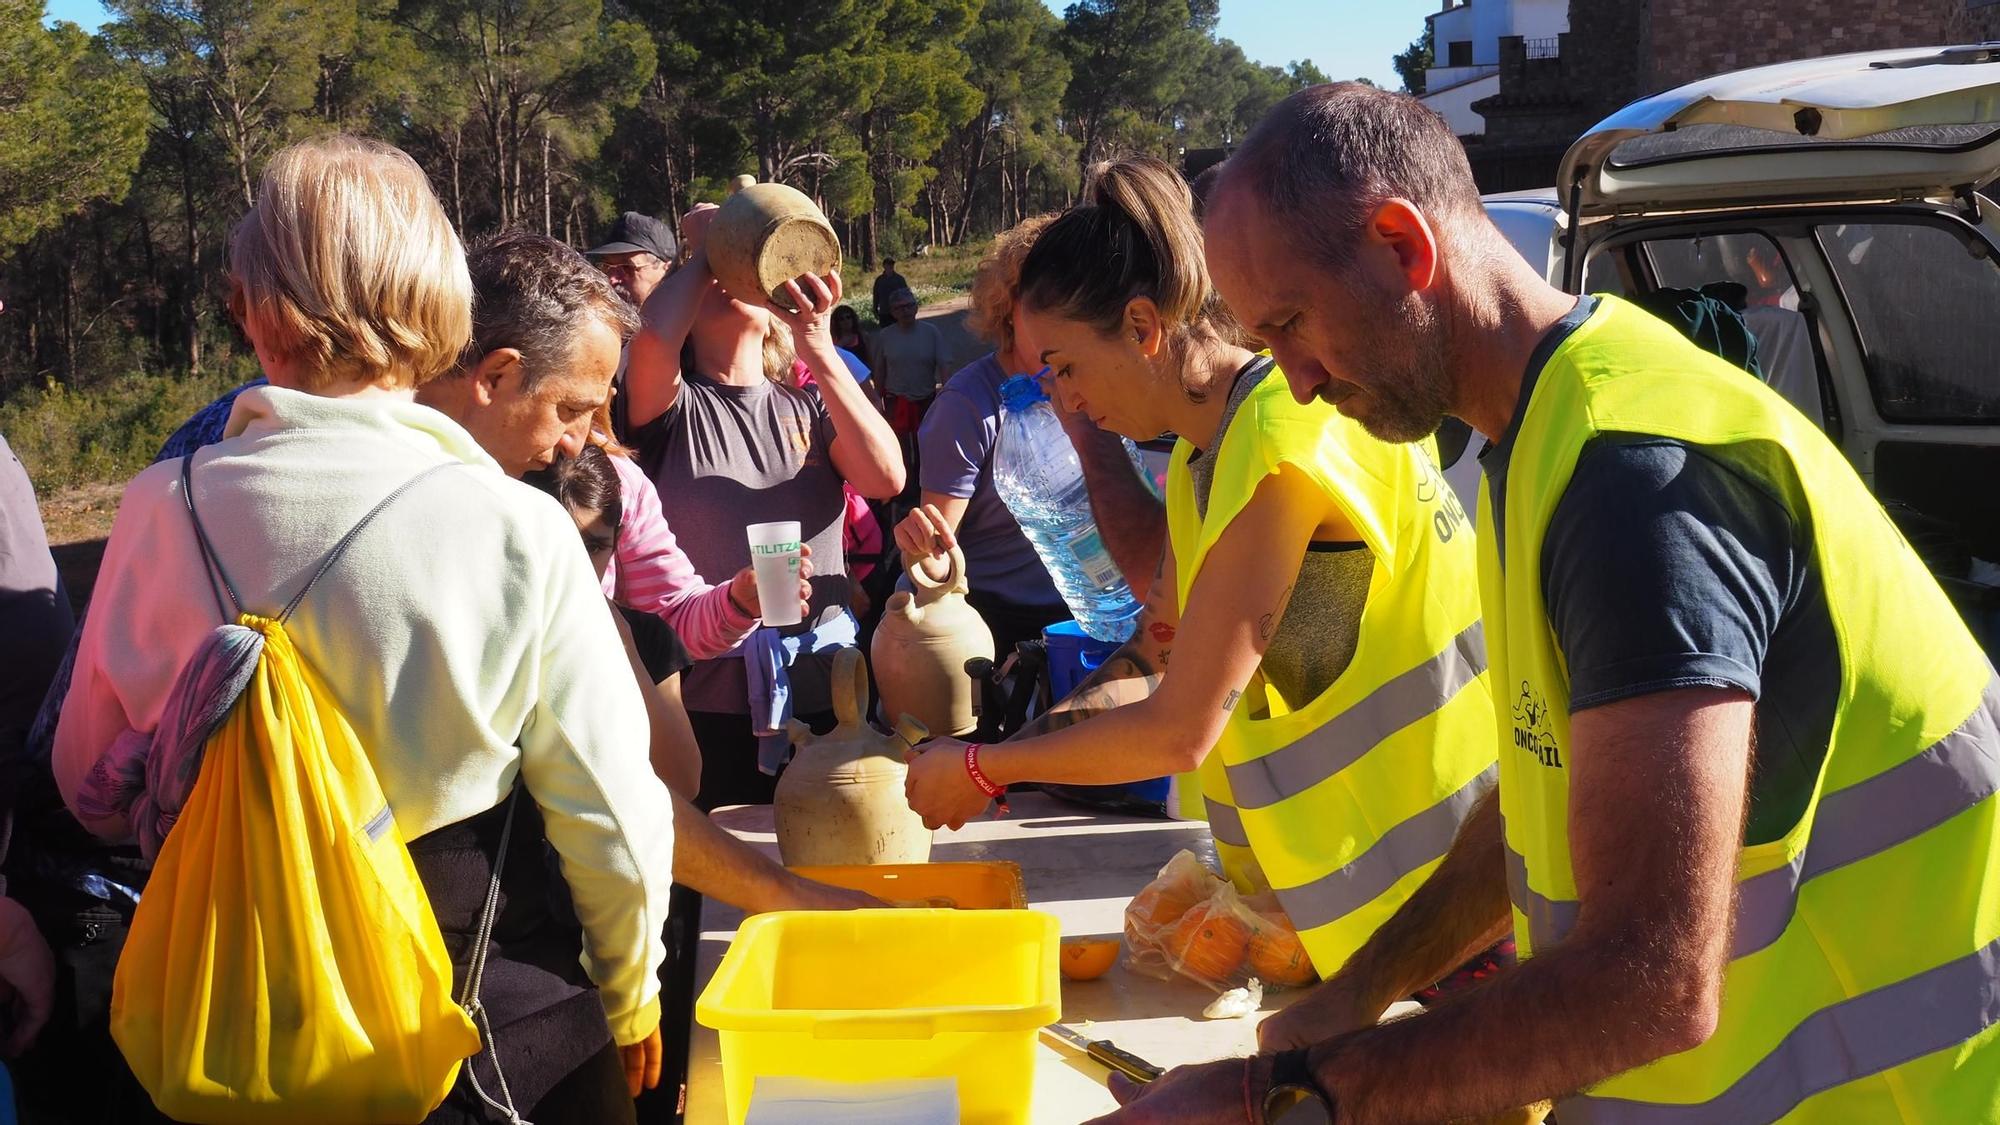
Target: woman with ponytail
{"x": 1311, "y": 645}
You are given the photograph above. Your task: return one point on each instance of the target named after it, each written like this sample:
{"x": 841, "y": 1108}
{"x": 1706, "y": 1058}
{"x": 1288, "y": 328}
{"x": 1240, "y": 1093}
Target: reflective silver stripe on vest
{"x": 1225, "y": 825}
{"x": 1293, "y": 769}
{"x": 1402, "y": 849}
{"x": 1549, "y": 919}
{"x": 1899, "y": 804}
{"x": 1856, "y": 1038}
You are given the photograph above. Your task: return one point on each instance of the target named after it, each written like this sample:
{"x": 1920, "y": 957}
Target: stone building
{"x": 1616, "y": 51}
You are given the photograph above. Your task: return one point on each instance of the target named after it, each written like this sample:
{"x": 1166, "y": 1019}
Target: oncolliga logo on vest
{"x": 1531, "y": 727}
{"x": 1433, "y": 491}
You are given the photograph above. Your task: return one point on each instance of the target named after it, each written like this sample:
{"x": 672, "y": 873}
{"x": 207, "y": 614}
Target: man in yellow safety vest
{"x": 1745, "y": 831}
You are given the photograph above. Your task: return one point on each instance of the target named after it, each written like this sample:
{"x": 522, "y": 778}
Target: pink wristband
{"x": 979, "y": 777}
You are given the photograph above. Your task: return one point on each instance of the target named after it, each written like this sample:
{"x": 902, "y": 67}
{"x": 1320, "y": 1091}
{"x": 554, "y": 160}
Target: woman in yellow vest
{"x": 1312, "y": 644}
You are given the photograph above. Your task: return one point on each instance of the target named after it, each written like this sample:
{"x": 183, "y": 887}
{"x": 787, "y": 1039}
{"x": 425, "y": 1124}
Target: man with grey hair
{"x": 547, "y": 330}
{"x": 1746, "y": 827}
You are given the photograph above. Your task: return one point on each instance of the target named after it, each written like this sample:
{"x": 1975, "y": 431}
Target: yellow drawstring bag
{"x": 284, "y": 964}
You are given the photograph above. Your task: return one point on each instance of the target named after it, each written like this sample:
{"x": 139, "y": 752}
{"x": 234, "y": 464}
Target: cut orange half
{"x": 1088, "y": 958}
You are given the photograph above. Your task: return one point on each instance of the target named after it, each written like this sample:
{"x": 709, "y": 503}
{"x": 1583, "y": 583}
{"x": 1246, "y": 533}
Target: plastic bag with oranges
{"x": 1190, "y": 921}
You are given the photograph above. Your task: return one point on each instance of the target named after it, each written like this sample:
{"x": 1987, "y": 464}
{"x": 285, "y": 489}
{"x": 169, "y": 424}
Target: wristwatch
{"x": 1295, "y": 1098}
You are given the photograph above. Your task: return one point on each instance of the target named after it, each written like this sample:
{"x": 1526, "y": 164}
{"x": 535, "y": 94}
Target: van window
{"x": 1748, "y": 258}
{"x": 1601, "y": 274}
{"x": 1751, "y": 259}
{"x": 1923, "y": 306}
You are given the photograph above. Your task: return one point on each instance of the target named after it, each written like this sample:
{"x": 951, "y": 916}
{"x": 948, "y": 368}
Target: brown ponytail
{"x": 1133, "y": 236}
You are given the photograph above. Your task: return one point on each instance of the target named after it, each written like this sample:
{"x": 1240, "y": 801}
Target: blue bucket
{"x": 1073, "y": 655}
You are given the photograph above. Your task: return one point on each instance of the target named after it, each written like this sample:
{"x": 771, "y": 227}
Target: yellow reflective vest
{"x": 1348, "y": 802}
{"x": 1864, "y": 984}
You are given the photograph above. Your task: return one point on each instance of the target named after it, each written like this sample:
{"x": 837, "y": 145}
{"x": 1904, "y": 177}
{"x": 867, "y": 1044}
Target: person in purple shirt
{"x": 1009, "y": 586}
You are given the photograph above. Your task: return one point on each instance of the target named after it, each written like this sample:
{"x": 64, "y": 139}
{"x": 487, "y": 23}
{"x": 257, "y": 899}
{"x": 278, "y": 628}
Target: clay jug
{"x": 922, "y": 645}
{"x": 766, "y": 235}
{"x": 841, "y": 800}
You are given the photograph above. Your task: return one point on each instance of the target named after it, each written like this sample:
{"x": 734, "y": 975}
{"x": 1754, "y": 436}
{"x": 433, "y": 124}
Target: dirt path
{"x": 79, "y": 514}
{"x": 950, "y": 317}
{"x": 78, "y": 520}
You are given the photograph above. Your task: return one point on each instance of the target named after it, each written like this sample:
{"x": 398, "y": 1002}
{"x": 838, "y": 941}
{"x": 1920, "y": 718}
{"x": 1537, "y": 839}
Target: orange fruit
{"x": 1154, "y": 912}
{"x": 1163, "y": 904}
{"x": 1208, "y": 944}
{"x": 1088, "y": 958}
{"x": 1276, "y": 956}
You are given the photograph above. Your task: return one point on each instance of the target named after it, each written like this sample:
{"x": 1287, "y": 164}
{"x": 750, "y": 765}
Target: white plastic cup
{"x": 774, "y": 556}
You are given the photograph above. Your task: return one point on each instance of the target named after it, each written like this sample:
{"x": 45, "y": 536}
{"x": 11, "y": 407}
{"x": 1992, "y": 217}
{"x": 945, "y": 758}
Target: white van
{"x": 1852, "y": 197}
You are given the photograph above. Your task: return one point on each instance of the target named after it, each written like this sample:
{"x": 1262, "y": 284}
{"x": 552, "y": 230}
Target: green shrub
{"x": 68, "y": 437}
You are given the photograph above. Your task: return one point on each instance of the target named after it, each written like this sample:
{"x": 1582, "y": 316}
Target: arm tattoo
{"x": 1268, "y": 624}
{"x": 1103, "y": 690}
{"x": 1229, "y": 701}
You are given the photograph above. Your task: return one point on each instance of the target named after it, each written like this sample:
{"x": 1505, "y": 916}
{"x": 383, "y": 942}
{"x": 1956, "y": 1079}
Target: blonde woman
{"x": 730, "y": 441}
{"x": 1010, "y": 587}
{"x": 462, "y": 632}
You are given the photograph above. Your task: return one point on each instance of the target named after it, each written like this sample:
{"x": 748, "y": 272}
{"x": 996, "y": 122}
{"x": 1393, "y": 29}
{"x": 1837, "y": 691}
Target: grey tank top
{"x": 1316, "y": 638}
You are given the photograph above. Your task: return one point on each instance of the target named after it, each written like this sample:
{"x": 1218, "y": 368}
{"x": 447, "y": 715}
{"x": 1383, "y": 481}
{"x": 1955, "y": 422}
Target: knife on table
{"x": 1108, "y": 1053}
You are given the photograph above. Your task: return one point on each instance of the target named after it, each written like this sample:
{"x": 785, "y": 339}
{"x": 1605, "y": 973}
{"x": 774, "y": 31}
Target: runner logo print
{"x": 1532, "y": 730}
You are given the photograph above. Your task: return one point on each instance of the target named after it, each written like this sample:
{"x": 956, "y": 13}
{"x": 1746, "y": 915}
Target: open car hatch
{"x": 1917, "y": 123}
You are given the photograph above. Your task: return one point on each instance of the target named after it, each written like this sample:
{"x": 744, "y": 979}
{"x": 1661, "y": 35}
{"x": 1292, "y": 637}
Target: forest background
{"x": 921, "y": 127}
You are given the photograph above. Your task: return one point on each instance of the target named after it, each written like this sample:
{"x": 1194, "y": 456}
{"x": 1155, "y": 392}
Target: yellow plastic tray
{"x": 991, "y": 885}
{"x": 864, "y": 995}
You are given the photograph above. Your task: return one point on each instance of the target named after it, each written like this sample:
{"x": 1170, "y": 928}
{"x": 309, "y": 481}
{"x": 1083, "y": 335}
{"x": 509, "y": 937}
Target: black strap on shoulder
{"x": 326, "y": 564}
{"x": 212, "y": 566}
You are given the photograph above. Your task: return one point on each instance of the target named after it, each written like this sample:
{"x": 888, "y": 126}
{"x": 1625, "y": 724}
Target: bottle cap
{"x": 1021, "y": 392}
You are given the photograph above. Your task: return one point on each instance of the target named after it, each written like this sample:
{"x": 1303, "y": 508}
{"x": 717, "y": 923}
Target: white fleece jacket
{"x": 463, "y": 635}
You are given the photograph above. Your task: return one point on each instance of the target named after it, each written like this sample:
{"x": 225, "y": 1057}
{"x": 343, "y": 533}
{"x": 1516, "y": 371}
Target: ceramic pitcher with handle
{"x": 841, "y": 800}
{"x": 921, "y": 647}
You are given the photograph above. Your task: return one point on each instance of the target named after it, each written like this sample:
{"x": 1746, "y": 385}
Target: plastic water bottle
{"x": 1040, "y": 479}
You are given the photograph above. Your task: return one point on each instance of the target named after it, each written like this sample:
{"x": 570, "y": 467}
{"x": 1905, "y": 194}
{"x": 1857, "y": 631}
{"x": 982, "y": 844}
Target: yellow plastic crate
{"x": 863, "y": 995}
{"x": 982, "y": 885}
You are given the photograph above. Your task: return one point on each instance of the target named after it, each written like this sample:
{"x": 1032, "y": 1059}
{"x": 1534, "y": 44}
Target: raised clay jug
{"x": 841, "y": 800}
{"x": 766, "y": 235}
{"x": 921, "y": 647}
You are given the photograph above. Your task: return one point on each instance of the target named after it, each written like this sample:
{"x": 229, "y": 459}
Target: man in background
{"x": 636, "y": 255}
{"x": 886, "y": 284}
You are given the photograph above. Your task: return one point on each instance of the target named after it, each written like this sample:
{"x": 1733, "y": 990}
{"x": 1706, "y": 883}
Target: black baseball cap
{"x": 635, "y": 233}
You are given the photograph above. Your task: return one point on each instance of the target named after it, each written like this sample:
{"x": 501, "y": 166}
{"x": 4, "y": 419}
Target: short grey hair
{"x": 532, "y": 293}
{"x": 1326, "y": 157}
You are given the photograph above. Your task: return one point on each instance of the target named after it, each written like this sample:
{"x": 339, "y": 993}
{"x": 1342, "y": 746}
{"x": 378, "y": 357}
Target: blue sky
{"x": 1347, "y": 38}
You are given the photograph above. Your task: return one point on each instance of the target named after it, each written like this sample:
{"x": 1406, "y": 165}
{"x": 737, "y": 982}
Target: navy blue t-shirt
{"x": 1671, "y": 565}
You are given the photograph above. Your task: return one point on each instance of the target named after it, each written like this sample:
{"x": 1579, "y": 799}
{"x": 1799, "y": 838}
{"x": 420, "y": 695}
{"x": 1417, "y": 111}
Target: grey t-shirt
{"x": 726, "y": 457}
{"x": 1667, "y": 565}
{"x": 955, "y": 445}
{"x": 907, "y": 359}
{"x": 35, "y": 619}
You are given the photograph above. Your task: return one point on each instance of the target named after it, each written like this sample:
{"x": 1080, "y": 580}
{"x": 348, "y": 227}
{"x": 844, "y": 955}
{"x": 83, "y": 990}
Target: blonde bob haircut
{"x": 997, "y": 284}
{"x": 347, "y": 270}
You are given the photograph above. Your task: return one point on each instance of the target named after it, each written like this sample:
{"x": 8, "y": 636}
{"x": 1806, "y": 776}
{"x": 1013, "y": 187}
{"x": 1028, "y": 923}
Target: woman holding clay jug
{"x": 729, "y": 441}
